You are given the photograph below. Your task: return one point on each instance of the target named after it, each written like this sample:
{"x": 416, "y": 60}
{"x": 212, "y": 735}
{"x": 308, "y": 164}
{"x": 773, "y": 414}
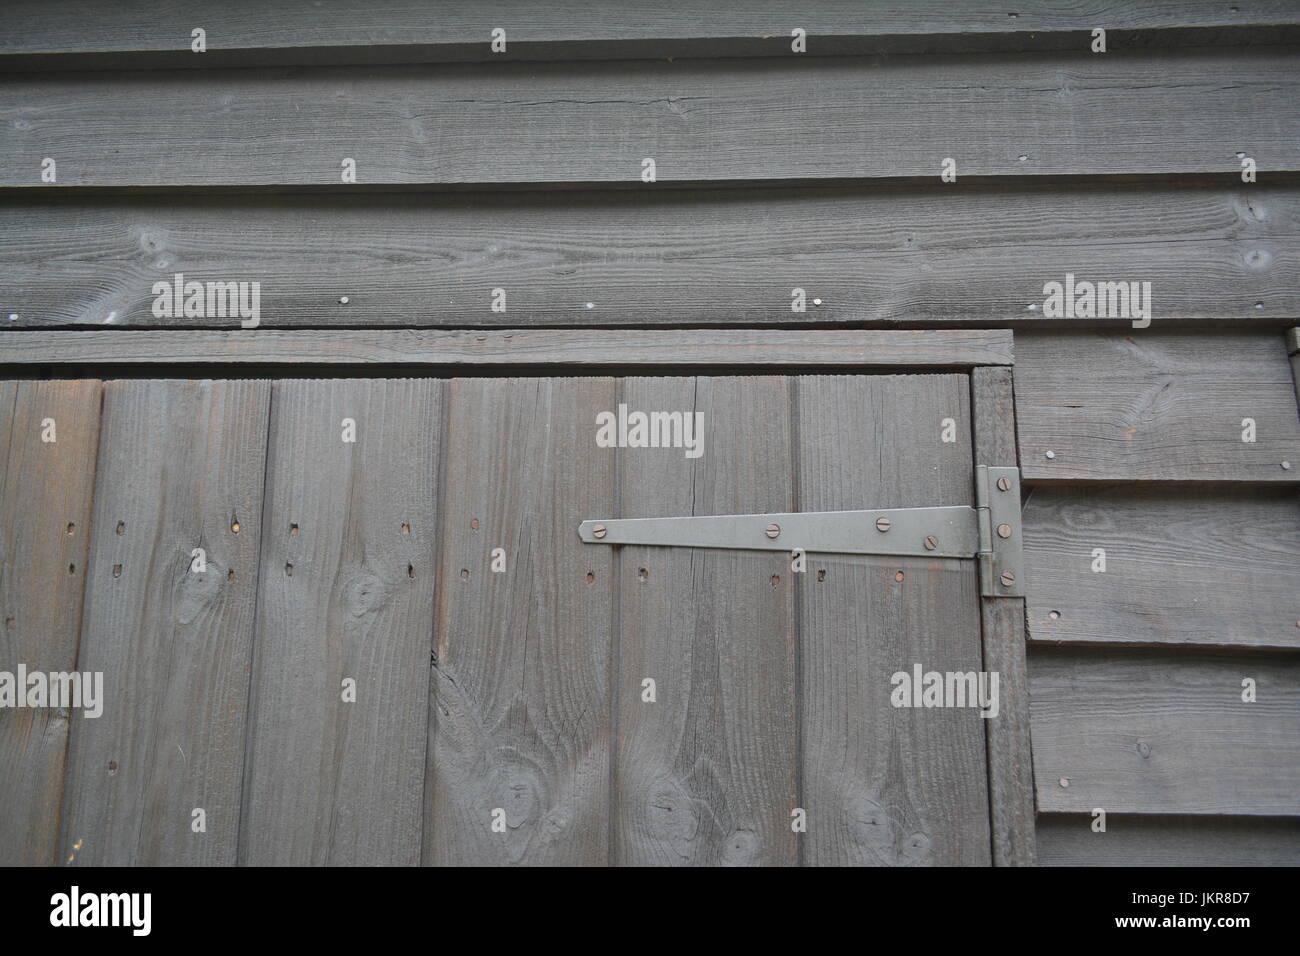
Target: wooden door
{"x": 418, "y": 540}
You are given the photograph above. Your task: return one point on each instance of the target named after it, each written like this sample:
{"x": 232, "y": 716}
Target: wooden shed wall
{"x": 775, "y": 170}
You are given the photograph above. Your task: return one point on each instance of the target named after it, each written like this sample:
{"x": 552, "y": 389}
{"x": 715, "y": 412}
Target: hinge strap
{"x": 989, "y": 532}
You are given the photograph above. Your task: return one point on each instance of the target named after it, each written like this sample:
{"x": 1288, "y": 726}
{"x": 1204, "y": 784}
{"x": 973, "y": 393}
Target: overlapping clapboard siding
{"x": 1137, "y": 673}
{"x": 58, "y": 33}
{"x": 702, "y": 121}
{"x": 1225, "y": 253}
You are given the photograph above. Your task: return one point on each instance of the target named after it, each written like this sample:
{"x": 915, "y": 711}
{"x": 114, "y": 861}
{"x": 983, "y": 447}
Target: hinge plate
{"x": 988, "y": 533}
{"x": 1001, "y": 556}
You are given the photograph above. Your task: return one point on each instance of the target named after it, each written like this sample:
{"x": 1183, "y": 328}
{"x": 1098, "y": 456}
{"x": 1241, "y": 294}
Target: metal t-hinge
{"x": 988, "y": 533}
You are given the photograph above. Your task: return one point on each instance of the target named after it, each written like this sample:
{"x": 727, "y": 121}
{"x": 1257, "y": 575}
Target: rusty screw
{"x": 931, "y": 542}
{"x": 1007, "y": 579}
{"x": 599, "y": 531}
{"x": 773, "y": 530}
{"x": 883, "y": 524}
{"x": 1004, "y": 531}
{"x": 1004, "y": 484}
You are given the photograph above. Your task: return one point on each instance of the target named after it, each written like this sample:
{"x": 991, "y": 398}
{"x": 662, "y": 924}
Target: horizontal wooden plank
{"x": 424, "y": 347}
{"x": 1181, "y": 566}
{"x": 1169, "y": 841}
{"x": 701, "y": 121}
{"x": 53, "y": 33}
{"x": 1146, "y": 405}
{"x": 1161, "y": 732}
{"x": 681, "y": 257}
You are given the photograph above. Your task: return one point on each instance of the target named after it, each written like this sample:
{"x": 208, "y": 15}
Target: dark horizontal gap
{"x": 1117, "y": 649}
{"x": 1114, "y": 651}
{"x": 1184, "y": 818}
{"x": 1251, "y": 323}
{"x": 226, "y": 370}
{"x": 1286, "y": 482}
{"x": 597, "y": 194}
{"x": 1224, "y": 178}
{"x": 1119, "y": 42}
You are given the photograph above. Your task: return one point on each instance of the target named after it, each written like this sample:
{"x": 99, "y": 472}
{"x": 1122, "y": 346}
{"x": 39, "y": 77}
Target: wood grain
{"x": 348, "y": 576}
{"x": 896, "y": 255}
{"x": 1007, "y": 736}
{"x": 579, "y": 348}
{"x": 45, "y": 514}
{"x": 180, "y": 465}
{"x": 1160, "y": 732}
{"x": 885, "y": 785}
{"x": 1067, "y": 840}
{"x": 519, "y": 720}
{"x": 702, "y": 121}
{"x": 1182, "y": 566}
{"x": 1155, "y": 406}
{"x": 56, "y": 33}
{"x": 707, "y": 773}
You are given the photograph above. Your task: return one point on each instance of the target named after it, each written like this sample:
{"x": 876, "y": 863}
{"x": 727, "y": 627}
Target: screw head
{"x": 883, "y": 524}
{"x": 1004, "y": 531}
{"x": 1050, "y": 454}
{"x": 931, "y": 542}
{"x": 773, "y": 530}
{"x": 599, "y": 531}
{"x": 1004, "y": 484}
{"x": 1286, "y": 466}
{"x": 1007, "y": 579}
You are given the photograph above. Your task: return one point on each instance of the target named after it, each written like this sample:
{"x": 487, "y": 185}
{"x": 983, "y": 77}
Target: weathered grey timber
{"x": 1187, "y": 565}
{"x": 1160, "y": 732}
{"x": 520, "y": 712}
{"x": 1011, "y": 774}
{"x": 1154, "y": 406}
{"x": 348, "y": 577}
{"x": 886, "y": 785}
{"x": 701, "y": 121}
{"x": 707, "y": 774}
{"x": 1069, "y": 840}
{"x": 1227, "y": 254}
{"x": 59, "y": 35}
{"x": 499, "y": 226}
{"x": 180, "y": 468}
{"x": 615, "y": 348}
{"x": 45, "y": 511}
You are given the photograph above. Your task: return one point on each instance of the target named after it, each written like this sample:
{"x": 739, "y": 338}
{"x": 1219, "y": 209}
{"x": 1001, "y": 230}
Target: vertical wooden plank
{"x": 347, "y": 593}
{"x": 887, "y": 785}
{"x": 520, "y": 713}
{"x": 1011, "y": 770}
{"x": 707, "y": 773}
{"x": 180, "y": 467}
{"x": 45, "y": 511}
